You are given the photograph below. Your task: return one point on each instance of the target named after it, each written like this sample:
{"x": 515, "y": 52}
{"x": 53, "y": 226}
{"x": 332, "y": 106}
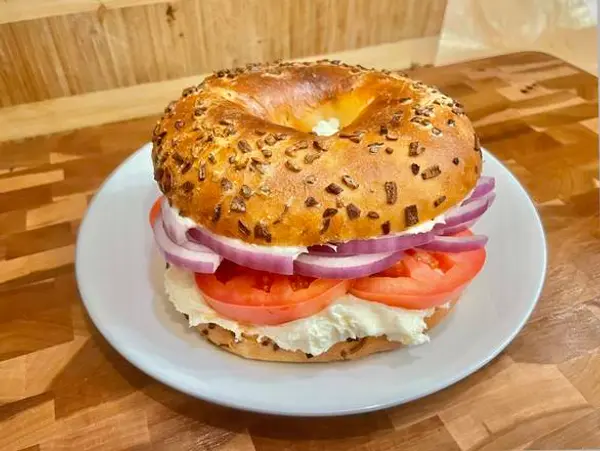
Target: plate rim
{"x": 206, "y": 396}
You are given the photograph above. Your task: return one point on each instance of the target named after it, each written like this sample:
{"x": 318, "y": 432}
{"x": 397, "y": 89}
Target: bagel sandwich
{"x": 314, "y": 212}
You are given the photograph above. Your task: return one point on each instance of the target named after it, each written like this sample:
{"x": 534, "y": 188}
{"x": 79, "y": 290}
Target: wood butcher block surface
{"x": 63, "y": 387}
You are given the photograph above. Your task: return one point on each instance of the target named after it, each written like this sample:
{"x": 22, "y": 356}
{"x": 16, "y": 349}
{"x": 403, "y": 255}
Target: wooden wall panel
{"x": 70, "y": 47}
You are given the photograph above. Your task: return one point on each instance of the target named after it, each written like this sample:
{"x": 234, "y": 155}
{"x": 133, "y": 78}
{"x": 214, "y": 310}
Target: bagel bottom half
{"x": 250, "y": 348}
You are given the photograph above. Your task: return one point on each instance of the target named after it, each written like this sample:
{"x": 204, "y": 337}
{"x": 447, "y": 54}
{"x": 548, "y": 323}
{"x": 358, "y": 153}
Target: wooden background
{"x": 63, "y": 387}
{"x": 57, "y": 48}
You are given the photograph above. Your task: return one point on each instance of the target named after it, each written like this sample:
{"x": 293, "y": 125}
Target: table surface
{"x": 62, "y": 386}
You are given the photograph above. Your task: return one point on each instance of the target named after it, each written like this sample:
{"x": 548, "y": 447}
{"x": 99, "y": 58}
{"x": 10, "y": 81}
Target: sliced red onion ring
{"x": 455, "y": 243}
{"x": 390, "y": 243}
{"x": 275, "y": 259}
{"x": 192, "y": 256}
{"x": 467, "y": 212}
{"x": 484, "y": 185}
{"x": 345, "y": 267}
{"x": 175, "y": 225}
{"x": 453, "y": 230}
{"x": 454, "y": 227}
{"x": 490, "y": 196}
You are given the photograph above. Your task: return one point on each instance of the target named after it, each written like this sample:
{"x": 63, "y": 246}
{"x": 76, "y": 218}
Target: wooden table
{"x": 62, "y": 386}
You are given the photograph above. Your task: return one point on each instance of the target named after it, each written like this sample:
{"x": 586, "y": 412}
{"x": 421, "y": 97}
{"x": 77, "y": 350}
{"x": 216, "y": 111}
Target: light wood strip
{"x": 19, "y": 10}
{"x": 17, "y": 181}
{"x": 26, "y": 423}
{"x": 66, "y": 209}
{"x": 23, "y": 266}
{"x": 68, "y": 113}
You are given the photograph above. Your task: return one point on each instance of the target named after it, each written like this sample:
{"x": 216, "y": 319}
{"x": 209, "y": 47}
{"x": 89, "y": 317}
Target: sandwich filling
{"x": 346, "y": 317}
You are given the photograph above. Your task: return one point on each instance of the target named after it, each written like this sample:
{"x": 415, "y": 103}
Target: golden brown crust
{"x": 250, "y": 348}
{"x": 236, "y": 154}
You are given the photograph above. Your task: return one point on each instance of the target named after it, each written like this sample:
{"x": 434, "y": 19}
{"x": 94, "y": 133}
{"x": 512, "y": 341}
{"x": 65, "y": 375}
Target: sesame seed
{"x": 262, "y": 231}
{"x": 334, "y": 188}
{"x": 319, "y": 146}
{"x": 411, "y": 216}
{"x": 216, "y": 213}
{"x": 325, "y": 225}
{"x": 186, "y": 167}
{"x": 455, "y": 160}
{"x": 311, "y": 202}
{"x": 241, "y": 163}
{"x": 439, "y": 201}
{"x": 353, "y": 211}
{"x": 431, "y": 172}
{"x": 414, "y": 149}
{"x": 396, "y": 117}
{"x": 329, "y": 212}
{"x": 292, "y": 166}
{"x": 226, "y": 184}
{"x": 310, "y": 179}
{"x": 349, "y": 182}
{"x": 391, "y": 192}
{"x": 414, "y": 168}
{"x": 311, "y": 157}
{"x": 238, "y": 205}
{"x": 386, "y": 227}
{"x": 243, "y": 228}
{"x": 244, "y": 146}
{"x": 374, "y": 147}
{"x": 246, "y": 191}
{"x": 373, "y": 215}
{"x": 270, "y": 139}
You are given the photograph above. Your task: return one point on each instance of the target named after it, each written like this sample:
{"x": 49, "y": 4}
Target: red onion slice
{"x": 455, "y": 243}
{"x": 484, "y": 186}
{"x": 175, "y": 225}
{"x": 390, "y": 243}
{"x": 345, "y": 267}
{"x": 192, "y": 256}
{"x": 275, "y": 259}
{"x": 489, "y": 197}
{"x": 467, "y": 212}
{"x": 453, "y": 230}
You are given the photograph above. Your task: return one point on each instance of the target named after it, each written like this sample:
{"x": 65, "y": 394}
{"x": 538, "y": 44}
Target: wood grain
{"x": 63, "y": 387}
{"x": 72, "y": 47}
{"x": 142, "y": 100}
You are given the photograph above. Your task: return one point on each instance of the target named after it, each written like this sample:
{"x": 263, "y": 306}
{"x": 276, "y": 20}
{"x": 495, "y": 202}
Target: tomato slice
{"x": 422, "y": 279}
{"x": 257, "y": 297}
{"x": 154, "y": 211}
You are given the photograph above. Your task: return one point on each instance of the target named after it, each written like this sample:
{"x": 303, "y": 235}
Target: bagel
{"x": 237, "y": 155}
{"x": 279, "y": 179}
{"x": 250, "y": 348}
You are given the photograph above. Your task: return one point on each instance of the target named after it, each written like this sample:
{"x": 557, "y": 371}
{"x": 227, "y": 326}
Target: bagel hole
{"x": 325, "y": 119}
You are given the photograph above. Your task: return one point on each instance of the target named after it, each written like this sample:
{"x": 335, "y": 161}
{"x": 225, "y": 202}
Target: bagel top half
{"x": 236, "y": 153}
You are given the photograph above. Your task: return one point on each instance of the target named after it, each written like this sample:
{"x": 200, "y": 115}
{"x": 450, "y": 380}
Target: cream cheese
{"x": 346, "y": 317}
{"x": 327, "y": 127}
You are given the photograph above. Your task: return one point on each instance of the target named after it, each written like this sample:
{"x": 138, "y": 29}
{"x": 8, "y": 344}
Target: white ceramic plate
{"x": 119, "y": 272}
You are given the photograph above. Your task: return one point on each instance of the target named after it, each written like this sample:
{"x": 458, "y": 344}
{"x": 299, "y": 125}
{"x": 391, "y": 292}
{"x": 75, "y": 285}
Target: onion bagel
{"x": 237, "y": 155}
{"x": 266, "y": 350}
